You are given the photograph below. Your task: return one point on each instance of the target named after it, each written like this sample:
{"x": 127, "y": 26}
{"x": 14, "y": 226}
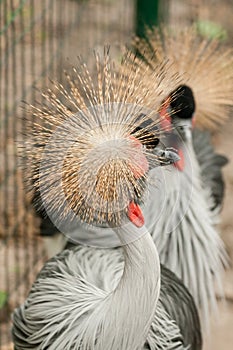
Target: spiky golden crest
{"x": 204, "y": 65}
{"x": 85, "y": 154}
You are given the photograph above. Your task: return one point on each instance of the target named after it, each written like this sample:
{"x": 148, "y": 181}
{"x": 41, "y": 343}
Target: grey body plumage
{"x": 211, "y": 165}
{"x": 82, "y": 275}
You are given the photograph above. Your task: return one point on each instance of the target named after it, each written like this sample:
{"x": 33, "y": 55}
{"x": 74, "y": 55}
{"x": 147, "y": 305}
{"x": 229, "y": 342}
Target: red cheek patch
{"x": 193, "y": 121}
{"x": 180, "y": 164}
{"x": 139, "y": 164}
{"x": 135, "y": 214}
{"x": 165, "y": 116}
{"x": 166, "y": 123}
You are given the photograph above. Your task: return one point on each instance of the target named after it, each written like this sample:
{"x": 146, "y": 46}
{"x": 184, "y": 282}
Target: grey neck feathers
{"x": 184, "y": 231}
{"x": 124, "y": 317}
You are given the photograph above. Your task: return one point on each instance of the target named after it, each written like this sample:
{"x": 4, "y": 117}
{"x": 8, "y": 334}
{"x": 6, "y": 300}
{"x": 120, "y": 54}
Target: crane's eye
{"x": 147, "y": 138}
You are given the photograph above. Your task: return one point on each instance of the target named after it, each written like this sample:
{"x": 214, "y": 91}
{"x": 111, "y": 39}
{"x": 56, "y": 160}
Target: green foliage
{"x": 3, "y": 298}
{"x": 211, "y": 30}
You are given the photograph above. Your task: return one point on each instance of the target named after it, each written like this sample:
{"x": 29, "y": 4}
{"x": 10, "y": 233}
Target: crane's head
{"x": 94, "y": 162}
{"x": 178, "y": 111}
{"x": 191, "y": 59}
{"x": 100, "y": 167}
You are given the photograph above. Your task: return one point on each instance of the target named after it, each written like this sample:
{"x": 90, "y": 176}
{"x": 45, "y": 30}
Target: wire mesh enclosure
{"x": 38, "y": 39}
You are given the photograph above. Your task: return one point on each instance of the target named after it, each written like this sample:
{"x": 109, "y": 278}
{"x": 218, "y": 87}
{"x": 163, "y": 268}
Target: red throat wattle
{"x": 135, "y": 214}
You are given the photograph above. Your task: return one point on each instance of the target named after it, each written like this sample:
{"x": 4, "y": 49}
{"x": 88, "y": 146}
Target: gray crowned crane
{"x": 194, "y": 186}
{"x": 94, "y": 167}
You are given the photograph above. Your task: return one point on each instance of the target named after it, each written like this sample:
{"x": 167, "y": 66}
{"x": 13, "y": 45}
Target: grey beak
{"x": 167, "y": 156}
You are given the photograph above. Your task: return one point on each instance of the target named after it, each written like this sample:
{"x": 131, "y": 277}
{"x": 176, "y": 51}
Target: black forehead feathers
{"x": 182, "y": 102}
{"x": 146, "y": 123}
{"x": 148, "y": 132}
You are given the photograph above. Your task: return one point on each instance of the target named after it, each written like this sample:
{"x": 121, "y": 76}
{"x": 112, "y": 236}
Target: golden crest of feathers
{"x": 206, "y": 66}
{"x": 85, "y": 149}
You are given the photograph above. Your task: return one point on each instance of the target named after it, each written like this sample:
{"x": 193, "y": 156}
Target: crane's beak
{"x": 167, "y": 155}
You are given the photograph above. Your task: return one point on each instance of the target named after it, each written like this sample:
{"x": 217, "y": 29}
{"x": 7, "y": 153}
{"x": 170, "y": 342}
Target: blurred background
{"x": 38, "y": 39}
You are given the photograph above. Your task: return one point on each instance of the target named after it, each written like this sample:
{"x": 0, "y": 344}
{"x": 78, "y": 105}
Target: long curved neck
{"x": 138, "y": 291}
{"x": 130, "y": 308}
